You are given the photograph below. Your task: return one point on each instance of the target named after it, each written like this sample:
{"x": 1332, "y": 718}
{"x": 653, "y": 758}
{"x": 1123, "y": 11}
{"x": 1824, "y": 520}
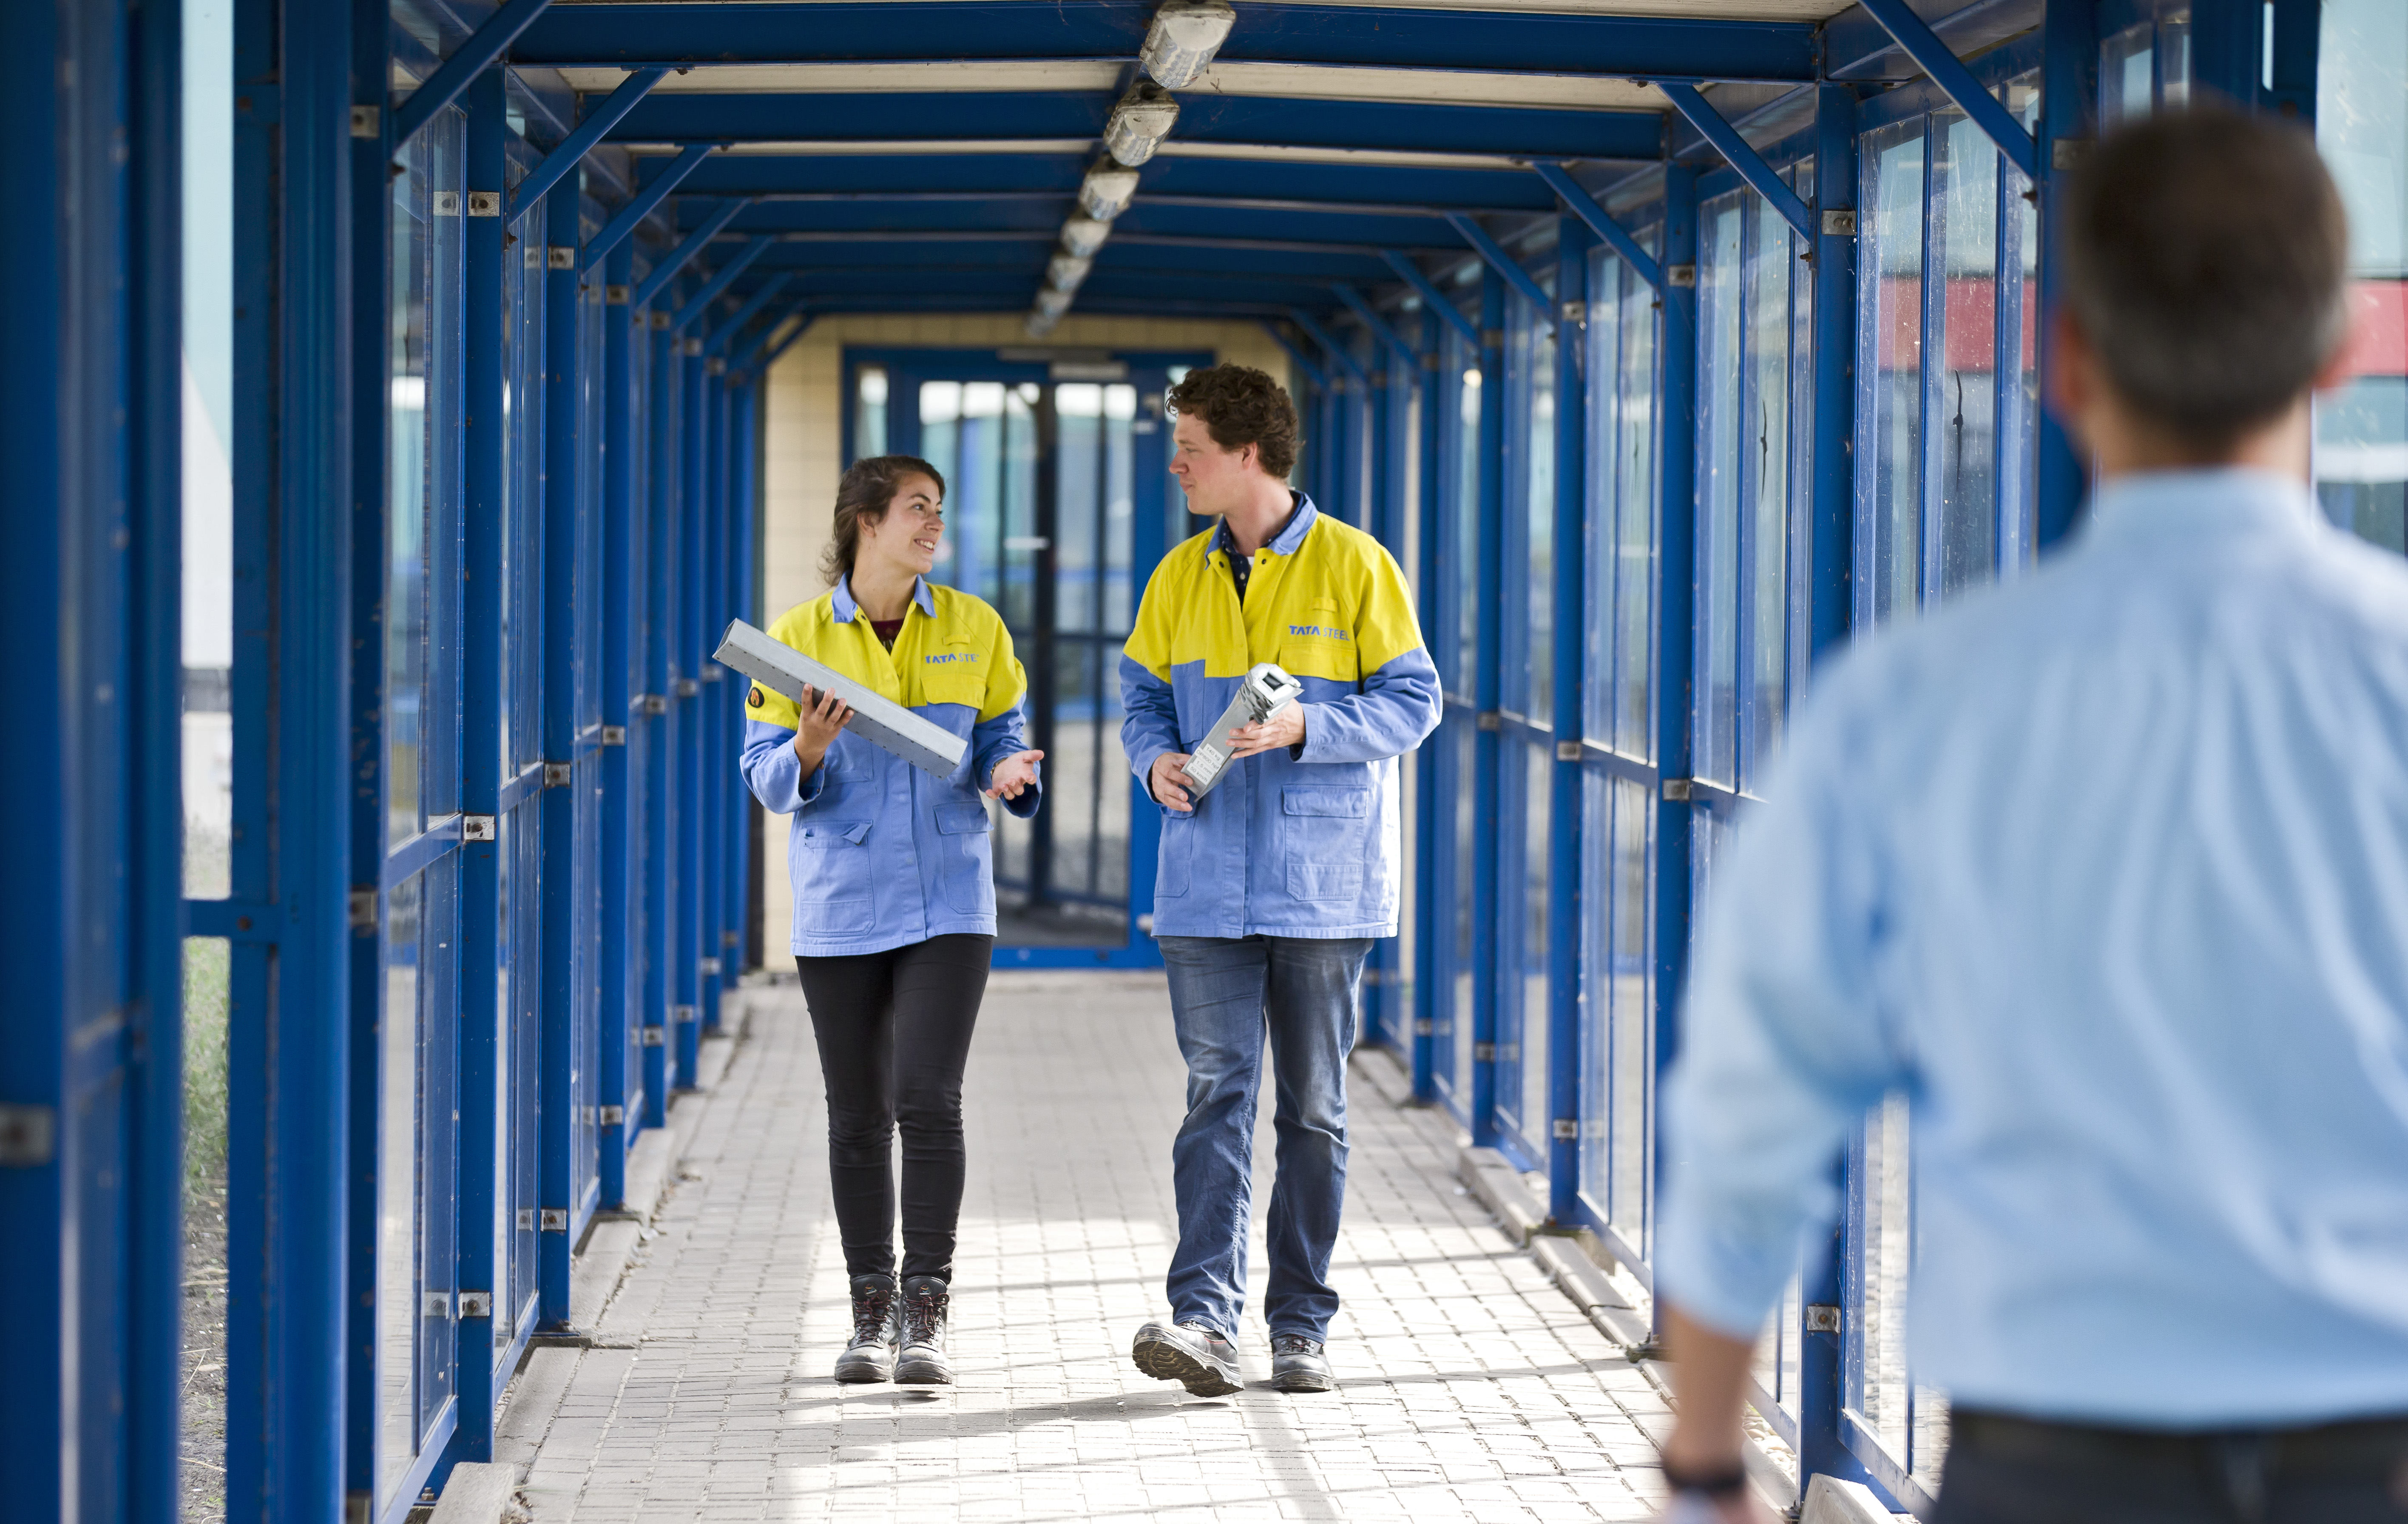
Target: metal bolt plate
{"x": 438, "y": 1304}
{"x": 555, "y": 1219}
{"x": 687, "y": 687}
{"x": 1567, "y": 1129}
{"x": 1838, "y": 224}
{"x": 614, "y": 735}
{"x": 555, "y": 775}
{"x": 682, "y": 1014}
{"x": 613, "y": 1116}
{"x": 484, "y": 203}
{"x": 1484, "y": 1053}
{"x": 1822, "y": 1317}
{"x": 28, "y": 1136}
{"x": 1683, "y": 276}
{"x": 476, "y": 1305}
{"x": 561, "y": 256}
{"x": 363, "y": 907}
{"x": 660, "y": 321}
{"x": 1677, "y": 789}
{"x": 713, "y": 674}
{"x": 652, "y": 703}
{"x": 2067, "y": 153}
{"x": 1490, "y": 719}
{"x": 730, "y": 939}
{"x": 691, "y": 349}
{"x": 365, "y": 121}
{"x": 707, "y": 967}
{"x": 616, "y": 295}
{"x": 1424, "y": 1026}
{"x": 653, "y": 1037}
{"x": 1575, "y": 313}
{"x": 1567, "y": 751}
{"x": 714, "y": 366}
{"x": 526, "y": 1219}
{"x": 447, "y": 203}
{"x": 476, "y": 827}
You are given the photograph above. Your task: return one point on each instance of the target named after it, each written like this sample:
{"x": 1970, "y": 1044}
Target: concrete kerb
{"x": 488, "y": 1493}
{"x": 1610, "y": 1297}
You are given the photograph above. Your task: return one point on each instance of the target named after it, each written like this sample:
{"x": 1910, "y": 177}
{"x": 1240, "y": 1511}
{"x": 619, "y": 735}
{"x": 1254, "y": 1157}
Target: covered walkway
{"x": 1469, "y": 1387}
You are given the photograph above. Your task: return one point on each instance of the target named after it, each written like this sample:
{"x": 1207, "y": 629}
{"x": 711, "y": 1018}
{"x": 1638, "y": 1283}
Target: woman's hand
{"x": 1014, "y": 775}
{"x": 822, "y": 714}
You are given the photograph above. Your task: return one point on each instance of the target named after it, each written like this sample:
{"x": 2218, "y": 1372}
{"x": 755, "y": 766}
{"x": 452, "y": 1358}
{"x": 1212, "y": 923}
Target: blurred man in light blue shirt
{"x": 2106, "y": 871}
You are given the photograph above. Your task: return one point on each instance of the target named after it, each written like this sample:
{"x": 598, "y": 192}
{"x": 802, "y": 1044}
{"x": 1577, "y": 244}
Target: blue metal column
{"x": 1429, "y": 822}
{"x": 686, "y": 882}
{"x": 1487, "y": 691}
{"x": 661, "y": 748}
{"x": 291, "y": 852}
{"x": 2069, "y": 94}
{"x": 1831, "y": 520}
{"x": 1676, "y": 537}
{"x": 480, "y": 1269}
{"x": 618, "y": 948}
{"x": 563, "y": 422}
{"x": 1566, "y": 994}
{"x": 371, "y": 361}
{"x": 1385, "y": 1021}
{"x": 710, "y": 845}
{"x": 746, "y": 403}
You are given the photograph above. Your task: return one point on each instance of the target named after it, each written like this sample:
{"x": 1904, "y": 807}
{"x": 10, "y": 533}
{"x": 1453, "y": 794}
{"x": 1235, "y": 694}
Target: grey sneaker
{"x": 927, "y": 1301}
{"x": 877, "y": 1330}
{"x": 1300, "y": 1364}
{"x": 1190, "y": 1354}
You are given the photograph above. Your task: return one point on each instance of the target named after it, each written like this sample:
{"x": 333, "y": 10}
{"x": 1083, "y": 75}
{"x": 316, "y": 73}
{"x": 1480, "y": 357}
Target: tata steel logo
{"x": 1325, "y": 632}
{"x": 944, "y": 658}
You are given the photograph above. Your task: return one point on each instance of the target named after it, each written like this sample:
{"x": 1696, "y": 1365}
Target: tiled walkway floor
{"x": 1469, "y": 1386}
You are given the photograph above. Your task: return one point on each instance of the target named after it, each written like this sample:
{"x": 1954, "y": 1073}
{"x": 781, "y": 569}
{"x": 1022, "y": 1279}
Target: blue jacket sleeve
{"x": 774, "y": 772}
{"x": 1150, "y": 723}
{"x": 991, "y": 741}
{"x": 1398, "y": 706}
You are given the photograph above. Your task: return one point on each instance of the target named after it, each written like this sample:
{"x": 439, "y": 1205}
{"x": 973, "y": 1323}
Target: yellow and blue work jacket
{"x": 1302, "y": 846}
{"x": 881, "y": 854}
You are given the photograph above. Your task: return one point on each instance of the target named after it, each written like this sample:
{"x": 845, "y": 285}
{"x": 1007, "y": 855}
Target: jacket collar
{"x": 841, "y": 599}
{"x": 1291, "y": 534}
{"x": 2213, "y": 503}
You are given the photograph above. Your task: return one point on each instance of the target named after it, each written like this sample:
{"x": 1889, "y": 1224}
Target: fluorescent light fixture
{"x": 1064, "y": 272}
{"x": 1053, "y": 304}
{"x": 1140, "y": 122}
{"x": 1183, "y": 39}
{"x": 1040, "y": 326}
{"x": 1083, "y": 235}
{"x": 1107, "y": 191}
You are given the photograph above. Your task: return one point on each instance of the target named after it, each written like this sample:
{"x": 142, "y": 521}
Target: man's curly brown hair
{"x": 1241, "y": 406}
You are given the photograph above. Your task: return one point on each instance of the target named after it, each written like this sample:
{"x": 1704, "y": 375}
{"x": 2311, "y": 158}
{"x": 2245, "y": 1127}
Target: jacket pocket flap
{"x": 828, "y": 833}
{"x": 963, "y": 819}
{"x": 1349, "y": 804}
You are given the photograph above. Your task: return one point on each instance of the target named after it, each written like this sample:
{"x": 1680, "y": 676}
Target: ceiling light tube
{"x": 1064, "y": 272}
{"x": 1083, "y": 235}
{"x": 1053, "y": 304}
{"x": 1107, "y": 191}
{"x": 1140, "y": 122}
{"x": 1183, "y": 39}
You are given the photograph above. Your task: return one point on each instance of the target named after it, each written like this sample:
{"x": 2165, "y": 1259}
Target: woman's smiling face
{"x": 911, "y": 530}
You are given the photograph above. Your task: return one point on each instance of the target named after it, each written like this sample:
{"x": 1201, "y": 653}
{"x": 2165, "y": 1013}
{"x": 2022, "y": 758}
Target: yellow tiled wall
{"x": 803, "y": 436}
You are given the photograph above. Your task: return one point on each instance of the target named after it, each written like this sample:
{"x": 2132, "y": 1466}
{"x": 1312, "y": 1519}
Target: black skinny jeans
{"x": 893, "y": 1031}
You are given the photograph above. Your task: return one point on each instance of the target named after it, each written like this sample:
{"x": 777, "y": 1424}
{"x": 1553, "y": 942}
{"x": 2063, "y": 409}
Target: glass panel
{"x": 1889, "y": 308}
{"x": 1464, "y": 362}
{"x": 2361, "y": 452}
{"x": 206, "y": 164}
{"x": 413, "y": 216}
{"x": 1876, "y": 1349}
{"x": 869, "y": 412}
{"x": 1466, "y": 848}
{"x": 1631, "y": 1004}
{"x": 1723, "y": 435}
{"x": 2018, "y": 316}
{"x": 1962, "y": 401}
{"x": 1771, "y": 268}
{"x": 1527, "y": 658}
{"x": 1634, "y": 600}
{"x": 1538, "y": 772}
{"x": 1508, "y": 842}
{"x": 1603, "y": 364}
{"x": 2127, "y": 68}
{"x": 398, "y": 1305}
{"x": 2173, "y": 57}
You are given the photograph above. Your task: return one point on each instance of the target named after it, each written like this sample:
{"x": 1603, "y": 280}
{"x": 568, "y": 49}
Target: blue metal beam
{"x": 1371, "y": 320}
{"x": 1303, "y": 361}
{"x": 640, "y": 204}
{"x": 1956, "y": 82}
{"x": 1741, "y": 154}
{"x": 1600, "y": 221}
{"x": 1304, "y": 185}
{"x": 701, "y": 300}
{"x": 744, "y": 314}
{"x": 1506, "y": 266}
{"x": 677, "y": 259}
{"x": 753, "y": 361}
{"x": 1432, "y": 299}
{"x": 452, "y": 77}
{"x": 836, "y": 31}
{"x": 561, "y": 160}
{"x": 1329, "y": 345}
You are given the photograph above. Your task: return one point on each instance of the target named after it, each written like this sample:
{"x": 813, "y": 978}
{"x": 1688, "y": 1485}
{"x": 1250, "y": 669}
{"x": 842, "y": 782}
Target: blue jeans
{"x": 1226, "y": 992}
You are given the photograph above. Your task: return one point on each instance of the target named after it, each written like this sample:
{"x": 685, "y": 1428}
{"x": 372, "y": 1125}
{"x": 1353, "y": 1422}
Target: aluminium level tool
{"x": 880, "y": 721}
{"x": 1265, "y": 692}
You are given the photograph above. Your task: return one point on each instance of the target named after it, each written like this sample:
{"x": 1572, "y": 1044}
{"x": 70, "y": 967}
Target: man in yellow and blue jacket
{"x": 1271, "y": 888}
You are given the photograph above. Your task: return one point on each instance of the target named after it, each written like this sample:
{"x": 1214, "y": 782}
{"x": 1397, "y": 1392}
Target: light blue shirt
{"x": 2106, "y": 870}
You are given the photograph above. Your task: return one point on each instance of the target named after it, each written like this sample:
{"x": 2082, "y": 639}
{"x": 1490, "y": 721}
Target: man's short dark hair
{"x": 2206, "y": 256}
{"x": 1241, "y": 406}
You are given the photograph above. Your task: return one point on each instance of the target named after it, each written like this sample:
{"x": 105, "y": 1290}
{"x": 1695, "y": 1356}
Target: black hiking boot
{"x": 877, "y": 1330}
{"x": 1300, "y": 1364}
{"x": 1190, "y": 1354}
{"x": 927, "y": 1300}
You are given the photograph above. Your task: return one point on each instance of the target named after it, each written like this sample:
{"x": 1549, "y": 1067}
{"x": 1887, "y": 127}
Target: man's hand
{"x": 822, "y": 714}
{"x": 1168, "y": 781}
{"x": 1014, "y": 775}
{"x": 1709, "y": 1374}
{"x": 1282, "y": 730}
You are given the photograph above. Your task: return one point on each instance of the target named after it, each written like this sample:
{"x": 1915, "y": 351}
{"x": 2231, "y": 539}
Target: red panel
{"x": 2379, "y": 340}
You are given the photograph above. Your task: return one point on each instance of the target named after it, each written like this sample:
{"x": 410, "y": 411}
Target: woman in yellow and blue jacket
{"x": 894, "y": 886}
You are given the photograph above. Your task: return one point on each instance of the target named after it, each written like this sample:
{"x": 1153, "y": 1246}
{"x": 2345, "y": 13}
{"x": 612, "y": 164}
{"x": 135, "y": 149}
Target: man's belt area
{"x": 2368, "y": 1447}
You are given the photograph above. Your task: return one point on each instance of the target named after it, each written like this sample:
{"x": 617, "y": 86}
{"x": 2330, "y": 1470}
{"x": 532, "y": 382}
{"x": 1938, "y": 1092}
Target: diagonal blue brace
{"x": 1958, "y": 83}
{"x": 1741, "y": 154}
{"x": 678, "y": 258}
{"x": 635, "y": 211}
{"x": 1432, "y": 299}
{"x": 761, "y": 341}
{"x": 1328, "y": 345}
{"x": 746, "y": 313}
{"x": 1505, "y": 265}
{"x": 1303, "y": 361}
{"x": 452, "y": 76}
{"x": 1378, "y": 324}
{"x": 573, "y": 147}
{"x": 1600, "y": 221}
{"x": 701, "y": 300}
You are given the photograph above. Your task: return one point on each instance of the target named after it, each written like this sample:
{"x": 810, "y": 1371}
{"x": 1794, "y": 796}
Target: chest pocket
{"x": 1316, "y": 639}
{"x": 954, "y": 672}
